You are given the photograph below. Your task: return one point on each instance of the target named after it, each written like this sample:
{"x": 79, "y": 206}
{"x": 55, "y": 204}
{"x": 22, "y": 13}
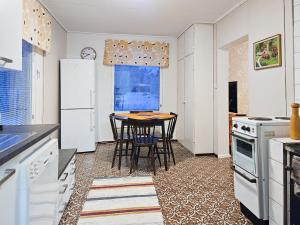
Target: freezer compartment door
{"x": 78, "y": 129}
{"x": 77, "y": 79}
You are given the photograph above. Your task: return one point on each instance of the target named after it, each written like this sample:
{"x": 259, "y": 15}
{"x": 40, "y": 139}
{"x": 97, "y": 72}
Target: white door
{"x": 188, "y": 106}
{"x": 37, "y": 90}
{"x": 77, "y": 84}
{"x": 180, "y": 102}
{"x": 78, "y": 129}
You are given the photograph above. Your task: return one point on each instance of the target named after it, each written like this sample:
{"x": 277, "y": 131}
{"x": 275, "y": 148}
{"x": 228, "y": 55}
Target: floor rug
{"x": 121, "y": 201}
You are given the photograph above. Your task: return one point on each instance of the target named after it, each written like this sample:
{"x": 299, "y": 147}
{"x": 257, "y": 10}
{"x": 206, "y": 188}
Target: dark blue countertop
{"x": 38, "y": 133}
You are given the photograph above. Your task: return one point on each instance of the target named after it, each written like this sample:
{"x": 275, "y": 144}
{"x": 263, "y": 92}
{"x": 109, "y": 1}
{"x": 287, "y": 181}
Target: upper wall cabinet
{"x": 11, "y": 34}
{"x": 186, "y": 43}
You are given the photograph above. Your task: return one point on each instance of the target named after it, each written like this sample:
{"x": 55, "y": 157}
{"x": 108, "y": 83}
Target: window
{"x": 136, "y": 88}
{"x": 15, "y": 91}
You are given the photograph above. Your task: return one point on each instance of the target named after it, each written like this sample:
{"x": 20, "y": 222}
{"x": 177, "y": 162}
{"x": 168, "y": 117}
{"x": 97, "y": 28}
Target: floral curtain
{"x": 139, "y": 53}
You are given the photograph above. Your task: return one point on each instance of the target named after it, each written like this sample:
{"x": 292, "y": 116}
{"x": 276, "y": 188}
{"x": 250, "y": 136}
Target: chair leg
{"x": 127, "y": 146}
{"x": 120, "y": 155}
{"x": 172, "y": 152}
{"x": 168, "y": 150}
{"x": 115, "y": 154}
{"x": 138, "y": 155}
{"x": 165, "y": 158}
{"x": 132, "y": 159}
{"x": 152, "y": 160}
{"x": 158, "y": 156}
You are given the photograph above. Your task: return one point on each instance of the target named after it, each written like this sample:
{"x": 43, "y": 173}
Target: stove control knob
{"x": 235, "y": 125}
{"x": 247, "y": 129}
{"x": 243, "y": 127}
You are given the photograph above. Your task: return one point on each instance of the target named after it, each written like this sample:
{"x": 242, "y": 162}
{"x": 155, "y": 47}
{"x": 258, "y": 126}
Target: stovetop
{"x": 250, "y": 125}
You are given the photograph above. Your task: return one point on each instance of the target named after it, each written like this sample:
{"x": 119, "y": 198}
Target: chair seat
{"x": 145, "y": 140}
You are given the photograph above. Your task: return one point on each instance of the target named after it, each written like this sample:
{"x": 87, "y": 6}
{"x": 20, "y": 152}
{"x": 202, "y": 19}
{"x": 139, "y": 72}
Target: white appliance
{"x": 37, "y": 189}
{"x": 77, "y": 90}
{"x": 250, "y": 160}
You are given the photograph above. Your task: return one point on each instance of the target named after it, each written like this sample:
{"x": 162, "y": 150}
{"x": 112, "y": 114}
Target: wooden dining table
{"x": 160, "y": 118}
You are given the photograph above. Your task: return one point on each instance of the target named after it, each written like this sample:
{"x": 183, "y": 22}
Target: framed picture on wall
{"x": 267, "y": 53}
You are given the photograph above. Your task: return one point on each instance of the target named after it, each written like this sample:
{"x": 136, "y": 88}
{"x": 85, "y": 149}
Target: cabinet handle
{"x": 73, "y": 171}
{"x": 6, "y": 60}
{"x": 7, "y": 174}
{"x": 66, "y": 175}
{"x": 65, "y": 188}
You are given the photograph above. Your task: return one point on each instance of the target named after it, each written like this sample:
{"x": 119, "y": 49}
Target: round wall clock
{"x": 88, "y": 53}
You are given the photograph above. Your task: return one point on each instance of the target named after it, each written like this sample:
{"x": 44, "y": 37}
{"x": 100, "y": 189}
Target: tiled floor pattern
{"x": 198, "y": 190}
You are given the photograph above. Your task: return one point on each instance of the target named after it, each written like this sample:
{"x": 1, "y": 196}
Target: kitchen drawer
{"x": 276, "y": 212}
{"x": 276, "y": 151}
{"x": 276, "y": 191}
{"x": 276, "y": 171}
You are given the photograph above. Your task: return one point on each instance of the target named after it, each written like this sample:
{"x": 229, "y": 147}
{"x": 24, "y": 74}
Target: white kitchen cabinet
{"x": 66, "y": 186}
{"x": 7, "y": 198}
{"x": 180, "y": 101}
{"x": 195, "y": 90}
{"x": 180, "y": 47}
{"x": 11, "y": 33}
{"x": 37, "y": 90}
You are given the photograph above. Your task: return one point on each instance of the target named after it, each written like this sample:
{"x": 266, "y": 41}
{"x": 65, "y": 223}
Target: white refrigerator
{"x": 77, "y": 104}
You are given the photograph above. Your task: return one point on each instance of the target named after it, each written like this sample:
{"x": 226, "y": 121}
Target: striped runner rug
{"x": 121, "y": 201}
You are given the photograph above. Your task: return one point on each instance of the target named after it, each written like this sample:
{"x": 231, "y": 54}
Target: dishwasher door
{"x": 38, "y": 191}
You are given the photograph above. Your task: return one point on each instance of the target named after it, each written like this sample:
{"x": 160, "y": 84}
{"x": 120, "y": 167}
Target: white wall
{"x": 297, "y": 48}
{"x": 105, "y": 75}
{"x": 255, "y": 20}
{"x": 51, "y": 73}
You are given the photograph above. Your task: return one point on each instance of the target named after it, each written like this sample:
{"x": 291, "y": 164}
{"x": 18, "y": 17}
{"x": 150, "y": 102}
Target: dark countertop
{"x": 39, "y": 132}
{"x": 65, "y": 156}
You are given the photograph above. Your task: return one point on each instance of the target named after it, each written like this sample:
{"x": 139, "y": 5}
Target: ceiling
{"x": 145, "y": 17}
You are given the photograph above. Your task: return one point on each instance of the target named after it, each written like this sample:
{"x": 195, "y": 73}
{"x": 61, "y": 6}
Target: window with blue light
{"x": 137, "y": 88}
{"x": 15, "y": 91}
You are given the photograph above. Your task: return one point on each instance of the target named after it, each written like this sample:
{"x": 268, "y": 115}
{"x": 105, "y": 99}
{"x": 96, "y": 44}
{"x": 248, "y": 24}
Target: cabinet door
{"x": 11, "y": 33}
{"x": 37, "y": 90}
{"x": 189, "y": 40}
{"x": 188, "y": 102}
{"x": 180, "y": 102}
{"x": 180, "y": 46}
{"x": 7, "y": 202}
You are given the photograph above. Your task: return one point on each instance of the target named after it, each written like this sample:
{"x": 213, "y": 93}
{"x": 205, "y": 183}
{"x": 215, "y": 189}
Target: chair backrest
{"x": 142, "y": 130}
{"x": 113, "y": 126}
{"x": 171, "y": 126}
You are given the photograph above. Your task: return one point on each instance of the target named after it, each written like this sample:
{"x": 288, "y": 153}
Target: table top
{"x": 145, "y": 116}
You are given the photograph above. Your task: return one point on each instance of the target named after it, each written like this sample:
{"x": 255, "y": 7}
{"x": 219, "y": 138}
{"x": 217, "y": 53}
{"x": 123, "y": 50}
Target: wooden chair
{"x": 142, "y": 133}
{"x": 118, "y": 151}
{"x": 169, "y": 136}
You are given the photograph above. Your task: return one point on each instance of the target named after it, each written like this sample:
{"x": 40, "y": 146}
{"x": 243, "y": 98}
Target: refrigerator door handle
{"x": 91, "y": 120}
{"x": 91, "y": 98}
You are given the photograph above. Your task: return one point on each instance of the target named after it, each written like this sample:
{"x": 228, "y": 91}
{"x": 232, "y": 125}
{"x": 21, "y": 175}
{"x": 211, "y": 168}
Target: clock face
{"x": 88, "y": 53}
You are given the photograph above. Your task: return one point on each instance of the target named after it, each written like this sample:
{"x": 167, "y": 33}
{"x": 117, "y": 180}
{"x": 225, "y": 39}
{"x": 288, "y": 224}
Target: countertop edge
{"x": 42, "y": 131}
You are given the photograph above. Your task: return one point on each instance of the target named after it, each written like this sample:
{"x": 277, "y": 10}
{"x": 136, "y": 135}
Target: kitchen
{"x": 66, "y": 66}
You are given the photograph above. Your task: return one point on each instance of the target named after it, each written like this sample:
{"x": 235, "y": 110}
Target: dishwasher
{"x": 37, "y": 190}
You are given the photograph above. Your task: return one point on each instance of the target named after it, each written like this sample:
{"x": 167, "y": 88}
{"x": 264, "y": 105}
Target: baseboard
{"x": 224, "y": 156}
{"x": 206, "y": 154}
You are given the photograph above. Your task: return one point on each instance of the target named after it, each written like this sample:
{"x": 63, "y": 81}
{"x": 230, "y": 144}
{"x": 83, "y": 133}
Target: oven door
{"x": 244, "y": 152}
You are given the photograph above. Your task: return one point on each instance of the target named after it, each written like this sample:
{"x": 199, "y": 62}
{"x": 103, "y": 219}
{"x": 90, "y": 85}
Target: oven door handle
{"x": 243, "y": 138}
{"x": 243, "y": 175}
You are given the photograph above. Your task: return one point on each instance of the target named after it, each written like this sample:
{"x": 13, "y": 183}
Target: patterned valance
{"x": 139, "y": 53}
{"x": 37, "y": 24}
